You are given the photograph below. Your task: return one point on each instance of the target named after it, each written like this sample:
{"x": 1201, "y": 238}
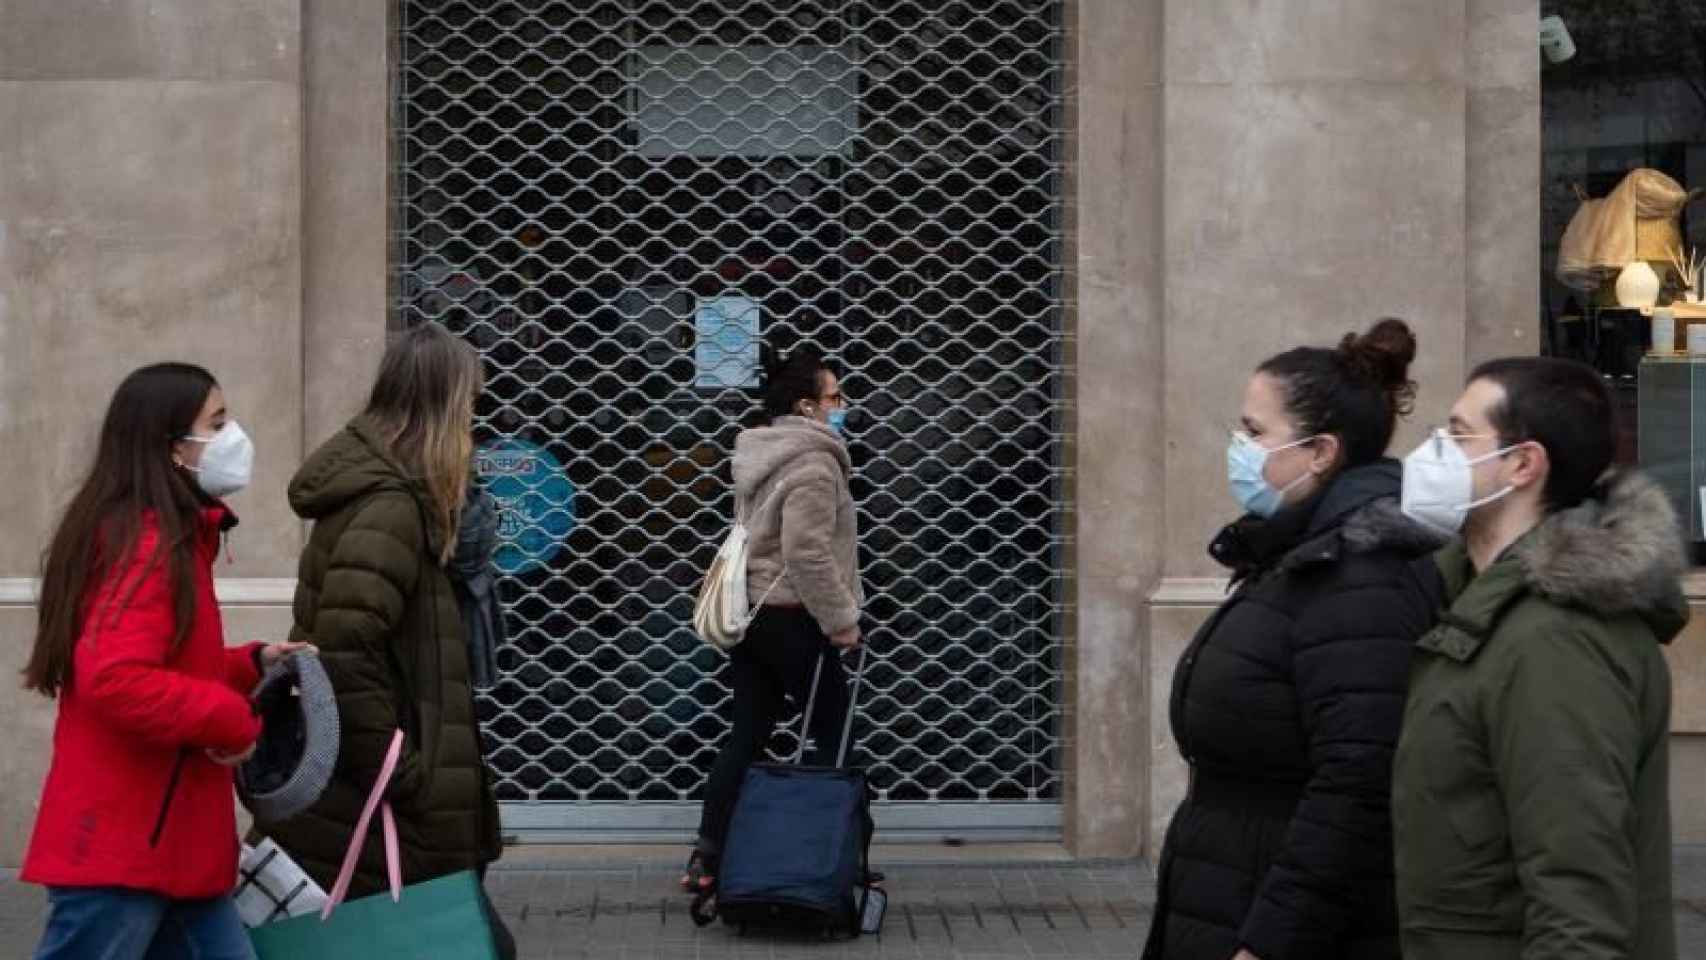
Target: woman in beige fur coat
{"x": 791, "y": 486}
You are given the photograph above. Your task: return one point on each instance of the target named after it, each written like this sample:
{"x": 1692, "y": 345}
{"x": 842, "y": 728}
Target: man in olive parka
{"x": 1531, "y": 784}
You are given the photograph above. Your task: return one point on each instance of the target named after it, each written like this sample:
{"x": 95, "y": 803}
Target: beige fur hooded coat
{"x": 791, "y": 489}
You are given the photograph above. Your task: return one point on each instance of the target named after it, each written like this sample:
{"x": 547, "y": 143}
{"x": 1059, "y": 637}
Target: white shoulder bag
{"x": 721, "y": 616}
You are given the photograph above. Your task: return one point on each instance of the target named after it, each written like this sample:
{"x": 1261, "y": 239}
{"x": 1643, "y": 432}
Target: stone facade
{"x": 150, "y": 209}
{"x": 211, "y": 184}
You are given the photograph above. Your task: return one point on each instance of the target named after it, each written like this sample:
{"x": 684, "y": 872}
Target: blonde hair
{"x": 423, "y": 405}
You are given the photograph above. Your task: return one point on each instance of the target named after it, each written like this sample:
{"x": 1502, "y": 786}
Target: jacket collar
{"x": 1357, "y": 512}
{"x": 1618, "y": 552}
{"x": 1475, "y": 603}
{"x": 217, "y": 519}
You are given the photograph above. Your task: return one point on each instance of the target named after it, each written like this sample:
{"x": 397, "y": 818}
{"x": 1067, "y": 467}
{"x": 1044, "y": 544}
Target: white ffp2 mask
{"x": 1439, "y": 484}
{"x": 227, "y": 460}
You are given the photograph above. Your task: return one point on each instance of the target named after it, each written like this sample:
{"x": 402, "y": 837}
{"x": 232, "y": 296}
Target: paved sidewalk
{"x": 588, "y": 906}
{"x": 937, "y": 911}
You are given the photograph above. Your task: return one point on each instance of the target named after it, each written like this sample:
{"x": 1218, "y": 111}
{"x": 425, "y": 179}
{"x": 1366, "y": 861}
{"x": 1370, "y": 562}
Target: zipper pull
{"x": 166, "y": 801}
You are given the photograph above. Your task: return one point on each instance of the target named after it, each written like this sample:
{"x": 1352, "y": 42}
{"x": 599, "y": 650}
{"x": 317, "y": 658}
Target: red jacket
{"x": 129, "y": 716}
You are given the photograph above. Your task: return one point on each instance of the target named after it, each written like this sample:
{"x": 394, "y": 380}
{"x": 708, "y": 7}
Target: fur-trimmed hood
{"x": 1617, "y": 552}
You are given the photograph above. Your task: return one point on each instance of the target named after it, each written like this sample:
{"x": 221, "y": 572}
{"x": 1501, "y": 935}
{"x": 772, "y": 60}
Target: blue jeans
{"x": 109, "y": 923}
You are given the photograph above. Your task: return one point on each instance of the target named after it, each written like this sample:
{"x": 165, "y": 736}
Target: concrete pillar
{"x": 346, "y": 268}
{"x": 1114, "y": 261}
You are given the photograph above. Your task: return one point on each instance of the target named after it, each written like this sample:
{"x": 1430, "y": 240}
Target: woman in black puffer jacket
{"x": 1287, "y": 703}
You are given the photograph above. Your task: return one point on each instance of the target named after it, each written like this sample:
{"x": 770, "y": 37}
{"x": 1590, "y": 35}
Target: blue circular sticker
{"x": 536, "y": 502}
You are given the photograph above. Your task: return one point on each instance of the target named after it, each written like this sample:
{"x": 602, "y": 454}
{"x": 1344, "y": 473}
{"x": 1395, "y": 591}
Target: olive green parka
{"x": 374, "y": 598}
{"x": 1530, "y": 799}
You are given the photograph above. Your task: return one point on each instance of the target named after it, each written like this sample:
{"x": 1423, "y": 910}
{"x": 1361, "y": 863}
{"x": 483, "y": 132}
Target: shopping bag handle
{"x": 393, "y": 869}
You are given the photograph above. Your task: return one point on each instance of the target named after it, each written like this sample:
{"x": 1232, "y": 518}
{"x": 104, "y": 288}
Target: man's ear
{"x": 1532, "y": 465}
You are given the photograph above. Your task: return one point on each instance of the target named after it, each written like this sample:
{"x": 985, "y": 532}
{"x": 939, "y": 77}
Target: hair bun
{"x": 1382, "y": 357}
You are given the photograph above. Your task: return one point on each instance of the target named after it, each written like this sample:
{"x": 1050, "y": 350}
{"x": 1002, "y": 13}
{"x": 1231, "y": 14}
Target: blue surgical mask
{"x": 838, "y": 421}
{"x": 1245, "y": 459}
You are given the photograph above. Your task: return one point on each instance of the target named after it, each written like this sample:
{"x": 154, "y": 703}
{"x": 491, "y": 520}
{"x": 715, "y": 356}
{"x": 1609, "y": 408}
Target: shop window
{"x": 1623, "y": 222}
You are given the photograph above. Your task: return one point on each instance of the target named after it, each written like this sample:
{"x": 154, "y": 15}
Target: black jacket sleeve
{"x": 1351, "y": 662}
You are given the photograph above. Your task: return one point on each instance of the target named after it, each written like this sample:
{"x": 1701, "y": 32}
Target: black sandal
{"x": 701, "y": 874}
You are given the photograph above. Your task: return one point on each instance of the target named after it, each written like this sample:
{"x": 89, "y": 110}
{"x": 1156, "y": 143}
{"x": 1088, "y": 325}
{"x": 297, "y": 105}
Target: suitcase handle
{"x": 852, "y": 702}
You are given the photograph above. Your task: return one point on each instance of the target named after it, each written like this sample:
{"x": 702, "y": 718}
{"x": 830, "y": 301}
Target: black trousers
{"x": 775, "y": 660}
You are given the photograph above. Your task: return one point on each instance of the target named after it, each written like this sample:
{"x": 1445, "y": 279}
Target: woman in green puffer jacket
{"x": 385, "y": 495}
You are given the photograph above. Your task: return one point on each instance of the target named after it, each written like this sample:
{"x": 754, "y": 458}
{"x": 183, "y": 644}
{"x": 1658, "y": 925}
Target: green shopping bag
{"x": 439, "y": 918}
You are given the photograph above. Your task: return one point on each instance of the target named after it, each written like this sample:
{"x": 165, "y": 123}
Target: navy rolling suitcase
{"x": 798, "y": 849}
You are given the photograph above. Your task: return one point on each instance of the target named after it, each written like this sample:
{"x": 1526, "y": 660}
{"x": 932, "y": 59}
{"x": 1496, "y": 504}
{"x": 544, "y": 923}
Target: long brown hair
{"x": 133, "y": 477}
{"x": 423, "y": 404}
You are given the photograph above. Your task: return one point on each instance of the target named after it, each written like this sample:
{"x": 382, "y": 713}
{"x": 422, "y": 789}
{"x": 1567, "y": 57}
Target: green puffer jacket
{"x": 372, "y": 596}
{"x": 1530, "y": 796}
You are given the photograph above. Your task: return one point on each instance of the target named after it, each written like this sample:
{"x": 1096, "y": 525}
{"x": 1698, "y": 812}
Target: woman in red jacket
{"x": 136, "y": 838}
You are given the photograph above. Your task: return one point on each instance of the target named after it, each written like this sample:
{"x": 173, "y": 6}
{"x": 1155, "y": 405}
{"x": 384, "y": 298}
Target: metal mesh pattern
{"x": 611, "y": 200}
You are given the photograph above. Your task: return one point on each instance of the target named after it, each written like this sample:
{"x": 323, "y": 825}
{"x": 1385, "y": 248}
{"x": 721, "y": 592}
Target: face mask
{"x": 227, "y": 460}
{"x": 1439, "y": 484}
{"x": 838, "y": 421}
{"x": 1245, "y": 459}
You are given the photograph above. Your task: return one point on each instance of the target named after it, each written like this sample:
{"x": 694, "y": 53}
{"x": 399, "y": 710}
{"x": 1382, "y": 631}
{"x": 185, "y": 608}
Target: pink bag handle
{"x": 374, "y": 799}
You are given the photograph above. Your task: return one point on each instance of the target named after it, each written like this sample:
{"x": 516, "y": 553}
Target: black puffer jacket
{"x": 1287, "y": 707}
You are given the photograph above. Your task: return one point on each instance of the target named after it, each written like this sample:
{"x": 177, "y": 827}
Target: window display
{"x": 1623, "y": 224}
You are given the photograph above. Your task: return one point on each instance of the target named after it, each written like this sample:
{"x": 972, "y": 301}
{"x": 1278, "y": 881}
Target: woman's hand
{"x": 846, "y": 639}
{"x": 272, "y": 653}
{"x": 230, "y": 759}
